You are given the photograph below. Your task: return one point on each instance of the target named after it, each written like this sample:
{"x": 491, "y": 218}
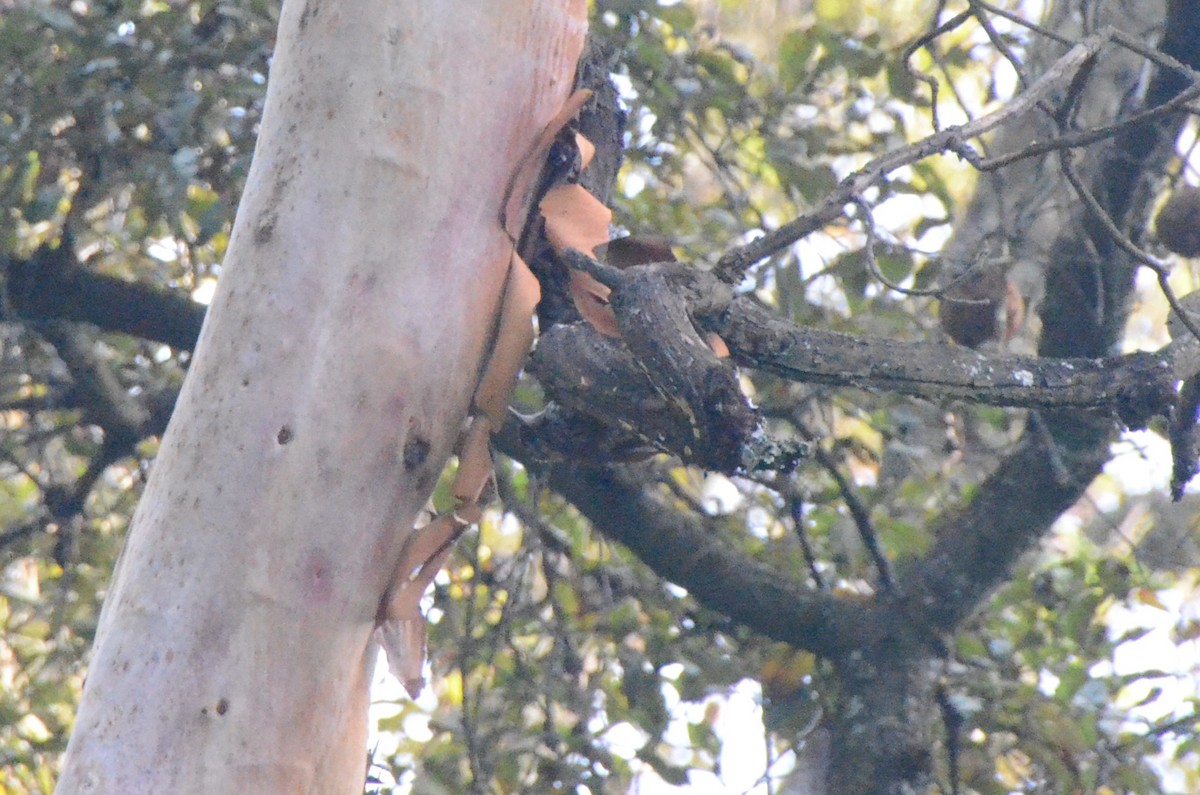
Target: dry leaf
{"x": 514, "y": 335}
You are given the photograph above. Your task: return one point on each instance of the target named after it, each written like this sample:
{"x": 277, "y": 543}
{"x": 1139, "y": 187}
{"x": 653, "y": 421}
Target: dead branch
{"x": 732, "y": 266}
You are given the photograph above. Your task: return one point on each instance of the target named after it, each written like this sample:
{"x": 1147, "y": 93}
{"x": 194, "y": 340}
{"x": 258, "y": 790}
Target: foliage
{"x": 561, "y": 662}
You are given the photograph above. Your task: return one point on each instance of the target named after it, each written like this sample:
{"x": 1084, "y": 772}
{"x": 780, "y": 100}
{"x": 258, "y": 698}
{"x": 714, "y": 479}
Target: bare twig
{"x": 953, "y": 721}
{"x": 1161, "y": 270}
{"x": 1083, "y": 138}
{"x": 796, "y": 507}
{"x": 1025, "y": 23}
{"x": 733, "y": 265}
{"x": 861, "y": 517}
{"x": 868, "y": 220}
{"x": 925, "y": 40}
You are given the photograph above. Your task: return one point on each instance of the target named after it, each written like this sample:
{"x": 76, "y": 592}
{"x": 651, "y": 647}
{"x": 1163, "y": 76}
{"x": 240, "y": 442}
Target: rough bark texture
{"x": 234, "y": 650}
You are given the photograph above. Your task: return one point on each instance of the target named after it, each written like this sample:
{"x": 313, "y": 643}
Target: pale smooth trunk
{"x": 332, "y": 376}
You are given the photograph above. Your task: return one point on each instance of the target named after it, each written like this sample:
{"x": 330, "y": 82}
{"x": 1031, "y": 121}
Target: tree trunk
{"x": 332, "y": 376}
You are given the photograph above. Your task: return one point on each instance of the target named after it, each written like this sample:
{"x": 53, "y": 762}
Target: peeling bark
{"x": 234, "y": 649}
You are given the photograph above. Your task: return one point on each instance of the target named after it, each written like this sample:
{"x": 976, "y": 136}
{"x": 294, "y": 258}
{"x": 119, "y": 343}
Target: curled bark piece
{"x": 403, "y": 641}
{"x": 575, "y": 219}
{"x": 474, "y": 462}
{"x": 424, "y": 545}
{"x": 717, "y": 344}
{"x": 587, "y": 150}
{"x": 516, "y": 194}
{"x": 514, "y": 335}
{"x": 591, "y": 301}
{"x": 400, "y": 629}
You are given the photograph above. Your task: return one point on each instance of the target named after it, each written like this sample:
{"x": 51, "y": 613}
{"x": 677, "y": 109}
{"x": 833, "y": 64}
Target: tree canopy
{"x": 943, "y": 552}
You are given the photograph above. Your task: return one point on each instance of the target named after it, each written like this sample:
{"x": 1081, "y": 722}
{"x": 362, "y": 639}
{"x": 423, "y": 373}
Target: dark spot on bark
{"x": 416, "y": 450}
{"x": 222, "y": 706}
{"x": 284, "y": 436}
{"x": 318, "y": 578}
{"x": 264, "y": 230}
{"x": 246, "y": 381}
{"x": 310, "y": 12}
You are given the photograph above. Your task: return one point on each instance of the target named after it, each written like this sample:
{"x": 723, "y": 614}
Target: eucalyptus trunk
{"x": 334, "y": 370}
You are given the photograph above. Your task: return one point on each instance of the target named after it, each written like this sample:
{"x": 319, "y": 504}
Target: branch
{"x": 686, "y": 549}
{"x": 858, "y": 512}
{"x": 979, "y": 543}
{"x": 108, "y": 404}
{"x": 51, "y": 285}
{"x": 733, "y": 265}
{"x": 1137, "y": 386}
{"x": 602, "y": 379}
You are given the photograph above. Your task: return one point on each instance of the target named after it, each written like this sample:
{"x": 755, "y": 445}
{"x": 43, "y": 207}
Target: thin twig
{"x": 1082, "y": 138}
{"x": 1161, "y": 270}
{"x": 1025, "y": 23}
{"x": 732, "y": 266}
{"x": 858, "y": 512}
{"x": 23, "y": 531}
{"x": 953, "y": 721}
{"x": 977, "y": 11}
{"x": 796, "y": 507}
{"x": 1062, "y": 473}
{"x": 925, "y": 40}
{"x": 869, "y": 253}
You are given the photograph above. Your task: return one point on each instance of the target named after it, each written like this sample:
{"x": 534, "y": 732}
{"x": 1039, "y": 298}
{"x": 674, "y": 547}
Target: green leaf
{"x": 794, "y": 52}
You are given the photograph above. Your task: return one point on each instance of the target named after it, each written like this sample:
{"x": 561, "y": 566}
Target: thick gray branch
{"x": 683, "y": 549}
{"x": 1136, "y": 387}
